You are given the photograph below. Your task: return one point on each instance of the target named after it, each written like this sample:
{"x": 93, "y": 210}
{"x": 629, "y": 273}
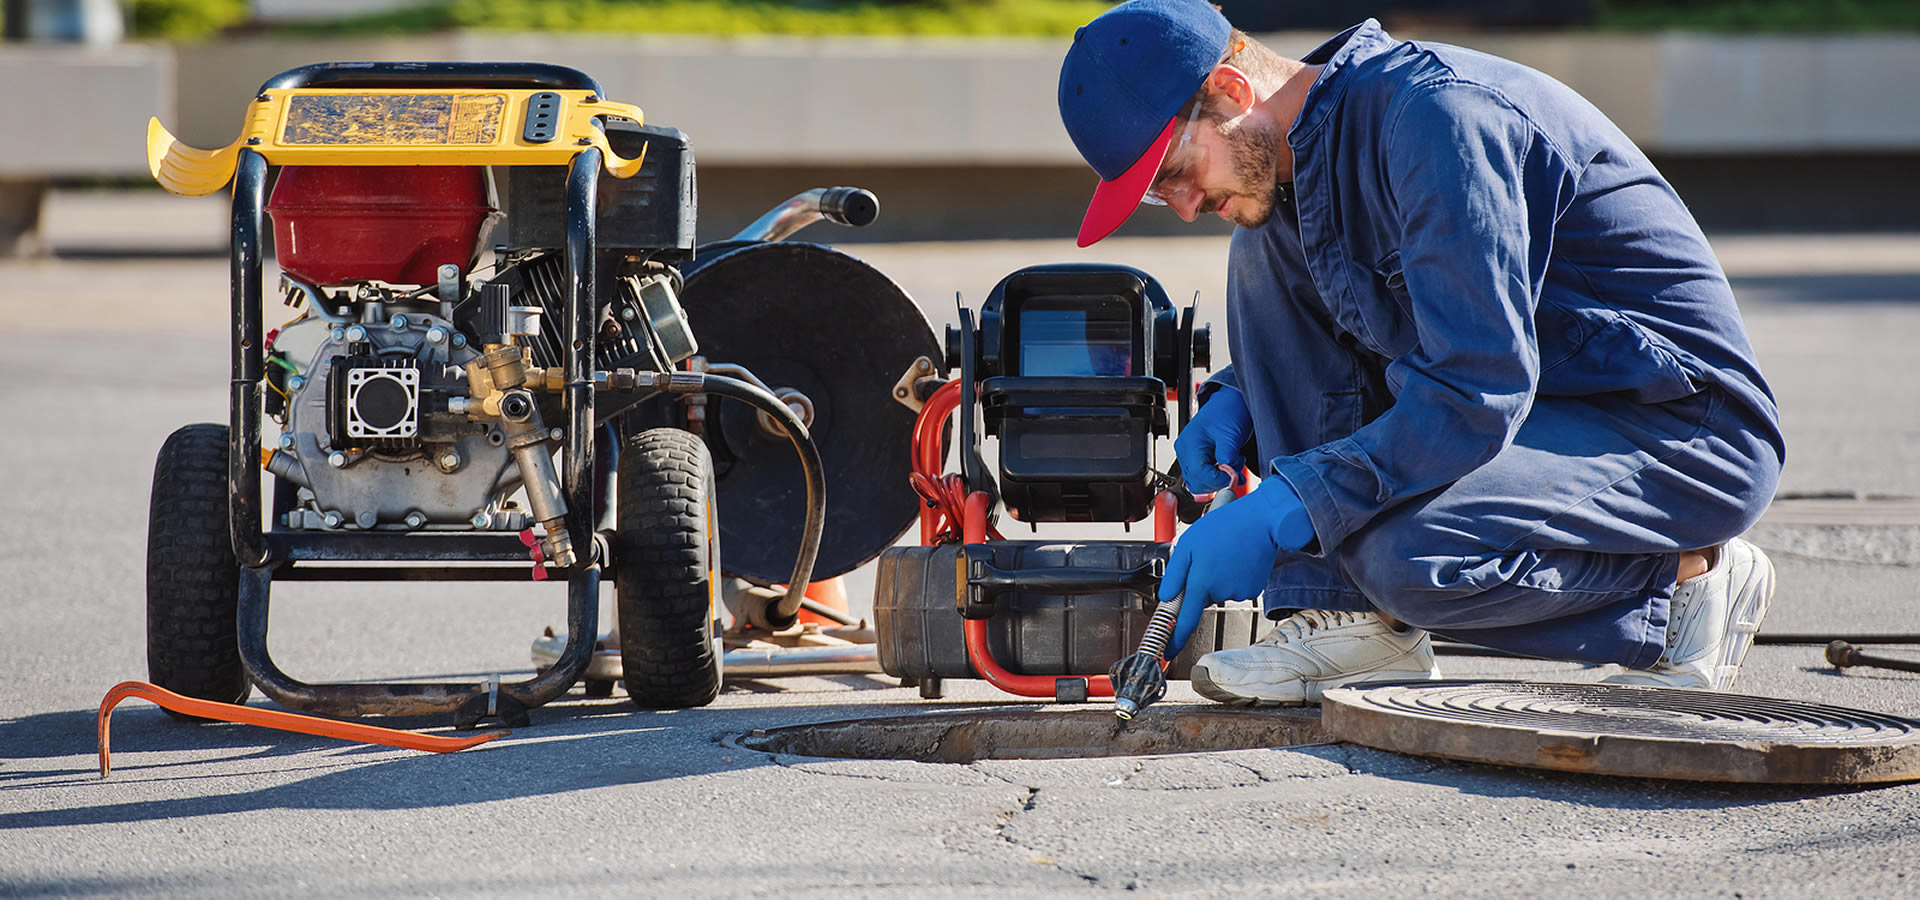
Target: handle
{"x": 853, "y": 206}
{"x": 434, "y": 74}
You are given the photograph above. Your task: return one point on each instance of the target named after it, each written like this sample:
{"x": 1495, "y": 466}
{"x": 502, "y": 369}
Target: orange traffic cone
{"x": 829, "y": 593}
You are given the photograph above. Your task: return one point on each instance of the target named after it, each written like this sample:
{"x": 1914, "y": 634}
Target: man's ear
{"x": 1234, "y": 88}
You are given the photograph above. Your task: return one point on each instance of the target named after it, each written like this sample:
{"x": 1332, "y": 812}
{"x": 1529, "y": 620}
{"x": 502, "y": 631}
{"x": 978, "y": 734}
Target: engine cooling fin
{"x": 1644, "y": 732}
{"x": 541, "y": 280}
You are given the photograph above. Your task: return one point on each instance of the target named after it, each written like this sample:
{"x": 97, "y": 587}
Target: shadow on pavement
{"x": 575, "y": 744}
{"x": 1600, "y": 791}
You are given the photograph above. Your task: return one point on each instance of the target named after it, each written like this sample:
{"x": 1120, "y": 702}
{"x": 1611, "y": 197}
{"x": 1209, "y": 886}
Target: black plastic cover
{"x": 921, "y": 633}
{"x": 652, "y": 212}
{"x": 1075, "y": 449}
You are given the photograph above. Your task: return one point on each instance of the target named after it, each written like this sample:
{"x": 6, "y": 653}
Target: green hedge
{"x": 183, "y": 19}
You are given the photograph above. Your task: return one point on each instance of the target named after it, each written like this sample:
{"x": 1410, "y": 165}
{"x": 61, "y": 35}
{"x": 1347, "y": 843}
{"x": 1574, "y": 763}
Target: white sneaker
{"x": 1711, "y": 623}
{"x": 1310, "y": 651}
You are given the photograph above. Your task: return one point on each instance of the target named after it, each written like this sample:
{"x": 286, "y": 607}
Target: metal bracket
{"x": 904, "y": 391}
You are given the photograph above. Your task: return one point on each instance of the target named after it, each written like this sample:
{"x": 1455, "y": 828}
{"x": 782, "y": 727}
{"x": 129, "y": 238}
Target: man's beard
{"x": 1254, "y": 151}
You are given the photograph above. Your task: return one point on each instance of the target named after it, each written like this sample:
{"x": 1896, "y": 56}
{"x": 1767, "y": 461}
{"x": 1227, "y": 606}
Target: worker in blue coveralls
{"x": 1489, "y": 370}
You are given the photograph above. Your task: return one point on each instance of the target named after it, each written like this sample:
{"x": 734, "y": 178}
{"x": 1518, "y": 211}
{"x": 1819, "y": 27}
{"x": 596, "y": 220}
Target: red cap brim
{"x": 1114, "y": 201}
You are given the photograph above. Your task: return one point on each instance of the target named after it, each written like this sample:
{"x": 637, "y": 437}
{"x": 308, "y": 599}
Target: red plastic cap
{"x": 1114, "y": 201}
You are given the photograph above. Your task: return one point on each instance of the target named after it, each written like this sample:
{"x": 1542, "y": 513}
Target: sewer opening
{"x": 964, "y": 737}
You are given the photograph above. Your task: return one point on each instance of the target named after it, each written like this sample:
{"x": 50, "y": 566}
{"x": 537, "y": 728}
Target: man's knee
{"x": 1412, "y": 571}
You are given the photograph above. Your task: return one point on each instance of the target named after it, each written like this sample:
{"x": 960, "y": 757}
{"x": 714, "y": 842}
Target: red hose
{"x": 981, "y": 656}
{"x": 944, "y": 494}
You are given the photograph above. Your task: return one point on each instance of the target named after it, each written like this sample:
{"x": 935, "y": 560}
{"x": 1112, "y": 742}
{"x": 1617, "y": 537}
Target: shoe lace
{"x": 1306, "y": 623}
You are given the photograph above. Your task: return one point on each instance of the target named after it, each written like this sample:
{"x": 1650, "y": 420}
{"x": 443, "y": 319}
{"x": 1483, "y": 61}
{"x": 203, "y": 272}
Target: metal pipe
{"x": 434, "y": 74}
{"x": 583, "y": 269}
{"x": 829, "y": 613}
{"x": 756, "y": 662}
{"x": 841, "y": 205}
{"x": 1843, "y": 655}
{"x": 412, "y": 698}
{"x": 248, "y": 364}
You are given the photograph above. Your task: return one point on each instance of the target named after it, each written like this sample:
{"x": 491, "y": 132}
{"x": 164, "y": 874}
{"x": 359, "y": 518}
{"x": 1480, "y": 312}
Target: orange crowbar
{"x": 272, "y": 718}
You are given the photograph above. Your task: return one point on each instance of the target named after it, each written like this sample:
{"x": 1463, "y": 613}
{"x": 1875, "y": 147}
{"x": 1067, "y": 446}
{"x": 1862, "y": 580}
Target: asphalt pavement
{"x": 119, "y": 340}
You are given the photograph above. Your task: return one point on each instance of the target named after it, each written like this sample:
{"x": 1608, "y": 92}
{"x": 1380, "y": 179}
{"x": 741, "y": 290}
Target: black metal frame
{"x": 266, "y": 555}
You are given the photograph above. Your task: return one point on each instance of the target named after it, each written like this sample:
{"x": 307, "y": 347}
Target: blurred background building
{"x": 1766, "y": 114}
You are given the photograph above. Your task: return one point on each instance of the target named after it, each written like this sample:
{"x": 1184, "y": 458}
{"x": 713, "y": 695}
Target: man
{"x": 1494, "y": 377}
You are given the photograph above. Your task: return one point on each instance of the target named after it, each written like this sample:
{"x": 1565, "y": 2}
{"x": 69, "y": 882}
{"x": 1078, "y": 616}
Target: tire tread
{"x": 661, "y": 582}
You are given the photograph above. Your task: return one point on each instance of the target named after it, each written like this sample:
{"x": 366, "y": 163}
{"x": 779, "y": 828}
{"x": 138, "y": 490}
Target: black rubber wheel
{"x": 193, "y": 579}
{"x": 666, "y": 584}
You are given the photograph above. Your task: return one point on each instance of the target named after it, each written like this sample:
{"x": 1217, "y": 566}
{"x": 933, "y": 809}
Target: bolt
{"x": 333, "y": 519}
{"x": 365, "y": 291}
{"x": 337, "y": 459}
{"x": 255, "y": 142}
{"x": 338, "y": 333}
{"x": 459, "y": 340}
{"x": 450, "y": 460}
{"x": 436, "y": 335}
{"x": 628, "y": 314}
{"x": 356, "y": 333}
{"x": 481, "y": 520}
{"x": 585, "y": 142}
{"x": 367, "y": 518}
{"x": 590, "y": 98}
{"x": 296, "y": 382}
{"x": 556, "y": 434}
{"x": 286, "y": 440}
{"x": 263, "y": 96}
{"x": 416, "y": 519}
{"x": 449, "y": 271}
{"x": 900, "y": 392}
{"x": 399, "y": 323}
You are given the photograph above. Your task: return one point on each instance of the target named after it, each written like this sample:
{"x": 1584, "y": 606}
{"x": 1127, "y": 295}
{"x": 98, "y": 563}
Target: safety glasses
{"x": 1173, "y": 182}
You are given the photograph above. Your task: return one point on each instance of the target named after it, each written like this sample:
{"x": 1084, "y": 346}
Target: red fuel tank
{"x": 398, "y": 224}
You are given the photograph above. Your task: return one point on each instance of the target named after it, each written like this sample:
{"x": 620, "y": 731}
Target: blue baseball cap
{"x": 1121, "y": 87}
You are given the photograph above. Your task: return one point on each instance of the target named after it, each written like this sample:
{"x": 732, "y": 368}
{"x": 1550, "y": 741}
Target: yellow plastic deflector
{"x": 396, "y": 127}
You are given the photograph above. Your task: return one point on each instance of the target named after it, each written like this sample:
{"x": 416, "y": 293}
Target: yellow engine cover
{"x": 399, "y": 127}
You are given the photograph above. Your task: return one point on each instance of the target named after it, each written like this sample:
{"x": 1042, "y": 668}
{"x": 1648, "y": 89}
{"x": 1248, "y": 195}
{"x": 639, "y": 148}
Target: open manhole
{"x": 963, "y": 737}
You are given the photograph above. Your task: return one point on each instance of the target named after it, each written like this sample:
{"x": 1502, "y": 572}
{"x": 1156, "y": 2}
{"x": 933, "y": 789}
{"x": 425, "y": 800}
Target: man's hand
{"x": 1212, "y": 438}
{"x": 1227, "y": 554}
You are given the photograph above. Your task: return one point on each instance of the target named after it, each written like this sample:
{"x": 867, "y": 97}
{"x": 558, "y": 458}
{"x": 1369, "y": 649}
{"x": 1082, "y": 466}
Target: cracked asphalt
{"x": 108, "y": 352}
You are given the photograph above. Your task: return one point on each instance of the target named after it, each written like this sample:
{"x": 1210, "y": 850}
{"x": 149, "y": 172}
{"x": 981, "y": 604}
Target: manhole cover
{"x": 962, "y": 737}
{"x": 1635, "y": 731}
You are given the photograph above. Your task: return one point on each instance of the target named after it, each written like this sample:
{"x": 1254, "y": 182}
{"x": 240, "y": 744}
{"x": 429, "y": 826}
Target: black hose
{"x": 783, "y": 612}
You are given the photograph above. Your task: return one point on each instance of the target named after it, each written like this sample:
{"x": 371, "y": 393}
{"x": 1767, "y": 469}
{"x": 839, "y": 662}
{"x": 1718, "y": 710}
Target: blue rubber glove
{"x": 1213, "y": 437}
{"x": 1227, "y": 554}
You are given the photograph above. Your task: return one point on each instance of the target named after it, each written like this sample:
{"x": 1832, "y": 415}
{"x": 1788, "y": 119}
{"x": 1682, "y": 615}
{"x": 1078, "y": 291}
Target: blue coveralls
{"x": 1489, "y": 347}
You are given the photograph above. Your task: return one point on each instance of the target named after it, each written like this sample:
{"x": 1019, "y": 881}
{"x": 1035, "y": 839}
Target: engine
{"x": 369, "y": 435}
